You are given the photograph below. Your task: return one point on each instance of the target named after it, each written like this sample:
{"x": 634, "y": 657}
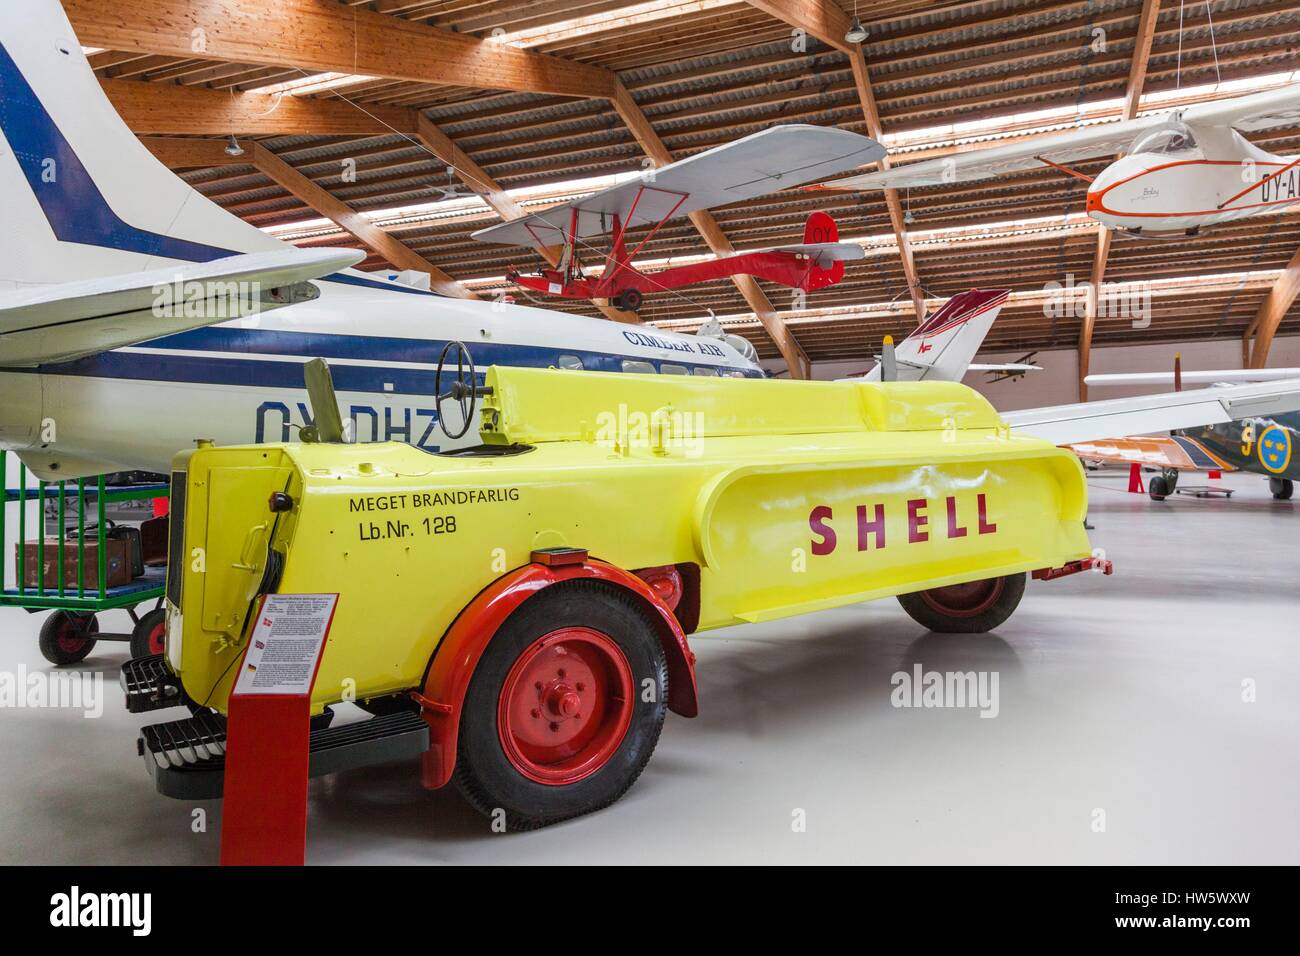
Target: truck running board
{"x": 187, "y": 758}
{"x": 149, "y": 685}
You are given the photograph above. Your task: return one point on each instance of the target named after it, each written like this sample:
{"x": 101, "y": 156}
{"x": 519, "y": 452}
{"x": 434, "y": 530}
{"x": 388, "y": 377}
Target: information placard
{"x": 285, "y": 648}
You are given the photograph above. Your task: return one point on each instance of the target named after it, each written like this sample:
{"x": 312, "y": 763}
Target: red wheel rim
{"x": 158, "y": 638}
{"x": 965, "y": 600}
{"x": 565, "y": 706}
{"x": 70, "y": 645}
{"x": 71, "y": 637}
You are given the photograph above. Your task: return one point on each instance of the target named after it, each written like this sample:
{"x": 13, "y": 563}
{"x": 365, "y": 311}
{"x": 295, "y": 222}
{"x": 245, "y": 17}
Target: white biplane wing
{"x": 762, "y": 163}
{"x": 1004, "y": 367}
{"x": 1142, "y": 414}
{"x": 68, "y": 320}
{"x": 1258, "y": 111}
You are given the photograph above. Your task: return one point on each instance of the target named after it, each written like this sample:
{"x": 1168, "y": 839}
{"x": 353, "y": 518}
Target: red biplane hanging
{"x": 765, "y": 162}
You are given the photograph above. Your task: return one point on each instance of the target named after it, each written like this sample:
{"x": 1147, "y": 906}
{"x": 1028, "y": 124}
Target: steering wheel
{"x": 461, "y": 390}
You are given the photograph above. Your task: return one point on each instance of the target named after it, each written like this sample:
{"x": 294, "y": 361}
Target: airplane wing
{"x": 1004, "y": 367}
{"x": 1280, "y": 107}
{"x": 1089, "y": 421}
{"x": 762, "y": 163}
{"x": 1258, "y": 111}
{"x": 1210, "y": 377}
{"x": 57, "y": 323}
{"x": 1159, "y": 451}
{"x": 1085, "y": 142}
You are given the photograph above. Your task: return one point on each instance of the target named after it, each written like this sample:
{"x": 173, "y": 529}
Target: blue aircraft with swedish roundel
{"x": 1259, "y": 444}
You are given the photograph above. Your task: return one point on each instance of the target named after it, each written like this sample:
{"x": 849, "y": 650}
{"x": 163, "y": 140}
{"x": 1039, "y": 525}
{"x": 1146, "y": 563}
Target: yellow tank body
{"x": 789, "y": 496}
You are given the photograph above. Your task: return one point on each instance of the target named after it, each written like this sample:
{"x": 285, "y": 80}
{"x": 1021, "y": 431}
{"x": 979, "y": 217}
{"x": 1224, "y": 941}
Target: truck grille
{"x": 176, "y": 540}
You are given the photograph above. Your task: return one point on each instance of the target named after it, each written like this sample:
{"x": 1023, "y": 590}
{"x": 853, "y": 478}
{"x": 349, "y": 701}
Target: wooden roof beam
{"x": 192, "y": 153}
{"x": 327, "y": 36}
{"x": 819, "y": 18}
{"x": 351, "y": 221}
{"x": 862, "y": 78}
{"x": 1271, "y": 312}
{"x": 165, "y": 108}
{"x": 153, "y": 108}
{"x": 1137, "y": 76}
{"x": 653, "y": 146}
{"x": 828, "y": 23}
{"x": 477, "y": 179}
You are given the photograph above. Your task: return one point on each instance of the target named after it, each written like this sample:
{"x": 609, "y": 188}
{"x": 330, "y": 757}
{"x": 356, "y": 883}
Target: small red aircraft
{"x": 777, "y": 158}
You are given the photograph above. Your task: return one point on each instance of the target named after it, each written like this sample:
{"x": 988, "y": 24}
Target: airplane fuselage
{"x": 1262, "y": 446}
{"x": 242, "y": 381}
{"x": 1221, "y": 178}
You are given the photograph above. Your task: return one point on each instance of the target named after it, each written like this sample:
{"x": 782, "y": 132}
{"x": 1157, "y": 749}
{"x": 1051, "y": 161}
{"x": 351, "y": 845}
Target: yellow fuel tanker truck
{"x": 520, "y": 613}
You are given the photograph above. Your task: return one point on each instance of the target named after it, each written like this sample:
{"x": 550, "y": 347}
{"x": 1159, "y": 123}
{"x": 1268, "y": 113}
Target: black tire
{"x": 142, "y": 635}
{"x": 974, "y": 608}
{"x": 1158, "y": 488}
{"x": 64, "y": 637}
{"x": 490, "y": 778}
{"x": 1282, "y": 488}
{"x": 631, "y": 299}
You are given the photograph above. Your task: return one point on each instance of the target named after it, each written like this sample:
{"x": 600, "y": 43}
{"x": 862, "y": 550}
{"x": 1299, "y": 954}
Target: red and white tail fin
{"x": 942, "y": 347}
{"x": 825, "y": 253}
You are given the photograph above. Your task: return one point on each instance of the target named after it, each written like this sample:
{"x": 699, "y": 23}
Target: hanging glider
{"x": 777, "y": 158}
{"x": 1183, "y": 170}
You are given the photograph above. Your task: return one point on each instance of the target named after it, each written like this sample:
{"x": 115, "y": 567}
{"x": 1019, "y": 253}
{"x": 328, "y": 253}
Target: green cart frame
{"x": 72, "y": 631}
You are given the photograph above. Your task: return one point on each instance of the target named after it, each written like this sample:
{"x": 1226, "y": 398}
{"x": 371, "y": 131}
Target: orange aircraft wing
{"x": 1180, "y": 452}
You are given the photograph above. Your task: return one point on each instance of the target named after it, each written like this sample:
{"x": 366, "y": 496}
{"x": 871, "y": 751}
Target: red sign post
{"x": 268, "y": 731}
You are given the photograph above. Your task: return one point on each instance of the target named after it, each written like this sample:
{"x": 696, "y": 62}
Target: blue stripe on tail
{"x": 73, "y": 204}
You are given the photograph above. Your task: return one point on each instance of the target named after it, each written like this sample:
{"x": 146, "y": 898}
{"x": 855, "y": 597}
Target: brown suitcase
{"x": 117, "y": 563}
{"x": 153, "y": 540}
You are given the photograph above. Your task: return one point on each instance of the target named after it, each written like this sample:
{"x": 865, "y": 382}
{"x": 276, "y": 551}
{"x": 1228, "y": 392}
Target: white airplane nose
{"x": 1121, "y": 171}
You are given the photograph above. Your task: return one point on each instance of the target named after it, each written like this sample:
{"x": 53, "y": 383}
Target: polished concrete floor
{"x": 1122, "y": 735}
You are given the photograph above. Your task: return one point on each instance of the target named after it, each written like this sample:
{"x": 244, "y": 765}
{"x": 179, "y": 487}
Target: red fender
{"x": 458, "y": 654}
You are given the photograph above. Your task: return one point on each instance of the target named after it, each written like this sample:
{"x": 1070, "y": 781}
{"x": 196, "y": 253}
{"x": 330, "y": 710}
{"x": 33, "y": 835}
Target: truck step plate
{"x": 187, "y": 758}
{"x": 149, "y": 685}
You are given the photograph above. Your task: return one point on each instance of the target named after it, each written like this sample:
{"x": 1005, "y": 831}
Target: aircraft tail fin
{"x": 83, "y": 198}
{"x": 820, "y": 229}
{"x": 942, "y": 347}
